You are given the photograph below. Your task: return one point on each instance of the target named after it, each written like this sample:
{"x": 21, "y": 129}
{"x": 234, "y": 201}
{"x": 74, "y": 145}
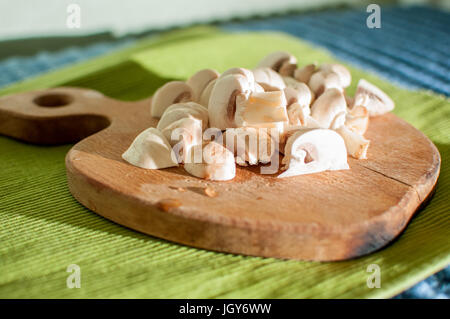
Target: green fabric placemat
{"x": 43, "y": 229}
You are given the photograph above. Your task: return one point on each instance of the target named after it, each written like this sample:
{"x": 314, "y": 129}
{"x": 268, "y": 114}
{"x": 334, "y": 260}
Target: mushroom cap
{"x": 355, "y": 143}
{"x": 304, "y": 74}
{"x": 150, "y": 150}
{"x": 200, "y": 80}
{"x": 210, "y": 161}
{"x": 245, "y": 72}
{"x": 329, "y": 109}
{"x": 345, "y": 78}
{"x": 373, "y": 98}
{"x": 321, "y": 81}
{"x": 178, "y": 111}
{"x": 276, "y": 59}
{"x": 222, "y": 102}
{"x": 314, "y": 150}
{"x": 269, "y": 79}
{"x": 168, "y": 94}
{"x": 250, "y": 145}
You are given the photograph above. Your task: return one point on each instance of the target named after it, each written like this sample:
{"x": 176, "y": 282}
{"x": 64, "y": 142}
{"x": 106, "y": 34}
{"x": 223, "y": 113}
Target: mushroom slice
{"x": 355, "y": 143}
{"x": 222, "y": 103}
{"x": 304, "y": 74}
{"x": 178, "y": 111}
{"x": 182, "y": 135}
{"x": 357, "y": 119}
{"x": 245, "y": 72}
{"x": 250, "y": 145}
{"x": 298, "y": 114}
{"x": 279, "y": 60}
{"x": 269, "y": 79}
{"x": 345, "y": 78}
{"x": 322, "y": 81}
{"x": 297, "y": 92}
{"x": 374, "y": 99}
{"x": 210, "y": 161}
{"x": 313, "y": 150}
{"x": 199, "y": 81}
{"x": 206, "y": 94}
{"x": 329, "y": 109}
{"x": 263, "y": 109}
{"x": 170, "y": 93}
{"x": 150, "y": 150}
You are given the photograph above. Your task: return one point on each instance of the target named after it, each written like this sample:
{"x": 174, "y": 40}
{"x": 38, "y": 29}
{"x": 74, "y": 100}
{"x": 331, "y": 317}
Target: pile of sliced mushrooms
{"x": 302, "y": 114}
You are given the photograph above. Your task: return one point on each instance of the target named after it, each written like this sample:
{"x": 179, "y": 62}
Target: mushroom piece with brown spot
{"x": 269, "y": 79}
{"x": 222, "y": 102}
{"x": 280, "y": 61}
{"x": 304, "y": 74}
{"x": 313, "y": 150}
{"x": 170, "y": 93}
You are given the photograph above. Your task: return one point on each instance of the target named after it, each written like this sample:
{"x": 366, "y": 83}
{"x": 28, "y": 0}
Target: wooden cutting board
{"x": 326, "y": 216}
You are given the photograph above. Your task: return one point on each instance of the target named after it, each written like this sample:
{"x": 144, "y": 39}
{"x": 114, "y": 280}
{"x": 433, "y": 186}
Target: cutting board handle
{"x": 59, "y": 115}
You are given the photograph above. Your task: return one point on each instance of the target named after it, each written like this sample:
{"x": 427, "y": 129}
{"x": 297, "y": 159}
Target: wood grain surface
{"x": 326, "y": 216}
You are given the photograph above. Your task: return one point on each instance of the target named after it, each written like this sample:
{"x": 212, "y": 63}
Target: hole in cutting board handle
{"x": 53, "y": 100}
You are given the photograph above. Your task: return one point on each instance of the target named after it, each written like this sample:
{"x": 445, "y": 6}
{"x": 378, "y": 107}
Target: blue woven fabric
{"x": 411, "y": 48}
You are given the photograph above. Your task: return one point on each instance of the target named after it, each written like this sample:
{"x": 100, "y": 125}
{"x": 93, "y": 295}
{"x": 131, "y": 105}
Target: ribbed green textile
{"x": 43, "y": 229}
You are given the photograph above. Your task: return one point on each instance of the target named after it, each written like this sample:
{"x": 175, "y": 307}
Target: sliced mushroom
{"x": 269, "y": 79}
{"x": 297, "y": 92}
{"x": 170, "y": 93}
{"x": 312, "y": 151}
{"x": 245, "y": 72}
{"x": 250, "y": 145}
{"x": 211, "y": 161}
{"x": 304, "y": 74}
{"x": 206, "y": 94}
{"x": 329, "y": 109}
{"x": 279, "y": 61}
{"x": 178, "y": 111}
{"x": 298, "y": 114}
{"x": 322, "y": 81}
{"x": 222, "y": 103}
{"x": 182, "y": 135}
{"x": 374, "y": 99}
{"x": 263, "y": 109}
{"x": 345, "y": 78}
{"x": 150, "y": 150}
{"x": 355, "y": 143}
{"x": 199, "y": 81}
{"x": 357, "y": 119}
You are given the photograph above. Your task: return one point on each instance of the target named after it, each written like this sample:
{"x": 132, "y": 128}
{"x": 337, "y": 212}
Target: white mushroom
{"x": 357, "y": 119}
{"x": 279, "y": 61}
{"x": 321, "y": 81}
{"x": 298, "y": 114}
{"x": 297, "y": 92}
{"x": 206, "y": 94}
{"x": 345, "y": 78}
{"x": 210, "y": 161}
{"x": 150, "y": 150}
{"x": 170, "y": 93}
{"x": 263, "y": 109}
{"x": 375, "y": 100}
{"x": 178, "y": 111}
{"x": 314, "y": 150}
{"x": 355, "y": 143}
{"x": 269, "y": 79}
{"x": 329, "y": 109}
{"x": 250, "y": 145}
{"x": 304, "y": 74}
{"x": 182, "y": 135}
{"x": 199, "y": 81}
{"x": 222, "y": 102}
